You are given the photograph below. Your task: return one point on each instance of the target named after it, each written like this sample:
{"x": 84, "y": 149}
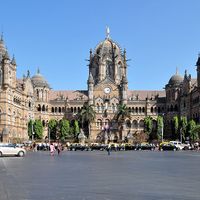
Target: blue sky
{"x": 56, "y": 36}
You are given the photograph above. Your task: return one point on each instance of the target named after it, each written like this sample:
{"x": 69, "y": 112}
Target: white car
{"x": 7, "y": 149}
{"x": 178, "y": 144}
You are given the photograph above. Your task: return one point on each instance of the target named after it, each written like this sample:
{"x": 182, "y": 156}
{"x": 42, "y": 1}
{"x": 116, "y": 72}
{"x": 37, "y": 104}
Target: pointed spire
{"x": 6, "y": 56}
{"x": 185, "y": 76}
{"x": 107, "y": 32}
{"x": 38, "y": 70}
{"x": 13, "y": 60}
{"x": 28, "y": 74}
{"x": 198, "y": 60}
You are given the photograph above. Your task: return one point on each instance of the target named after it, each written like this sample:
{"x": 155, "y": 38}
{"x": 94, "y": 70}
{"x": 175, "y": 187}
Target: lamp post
{"x": 32, "y": 131}
{"x": 162, "y": 130}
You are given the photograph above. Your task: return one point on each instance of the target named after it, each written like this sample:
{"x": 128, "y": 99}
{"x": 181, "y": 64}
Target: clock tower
{"x": 107, "y": 85}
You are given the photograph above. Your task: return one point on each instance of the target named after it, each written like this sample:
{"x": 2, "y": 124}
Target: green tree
{"x": 64, "y": 127}
{"x": 148, "y": 125}
{"x": 76, "y": 129}
{"x": 87, "y": 116}
{"x": 52, "y": 128}
{"x": 175, "y": 127}
{"x": 183, "y": 128}
{"x": 38, "y": 129}
{"x": 160, "y": 127}
{"x": 30, "y": 128}
{"x": 194, "y": 133}
{"x": 191, "y": 125}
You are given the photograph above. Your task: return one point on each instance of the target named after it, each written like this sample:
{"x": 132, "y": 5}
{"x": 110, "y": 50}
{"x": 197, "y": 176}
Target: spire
{"x": 198, "y": 60}
{"x": 6, "y": 56}
{"x": 107, "y": 32}
{"x": 13, "y": 60}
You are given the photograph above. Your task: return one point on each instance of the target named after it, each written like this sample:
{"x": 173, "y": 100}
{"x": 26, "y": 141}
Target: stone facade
{"x": 31, "y": 97}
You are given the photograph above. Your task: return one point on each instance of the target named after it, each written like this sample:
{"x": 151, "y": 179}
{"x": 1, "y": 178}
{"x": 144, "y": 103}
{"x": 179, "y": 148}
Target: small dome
{"x": 39, "y": 81}
{"x": 176, "y": 79}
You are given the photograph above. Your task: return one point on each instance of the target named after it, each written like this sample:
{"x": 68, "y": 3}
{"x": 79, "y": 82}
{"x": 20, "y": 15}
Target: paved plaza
{"x": 97, "y": 176}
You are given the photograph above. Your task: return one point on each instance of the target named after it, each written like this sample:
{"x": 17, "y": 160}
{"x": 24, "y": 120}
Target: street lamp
{"x": 32, "y": 131}
{"x": 162, "y": 130}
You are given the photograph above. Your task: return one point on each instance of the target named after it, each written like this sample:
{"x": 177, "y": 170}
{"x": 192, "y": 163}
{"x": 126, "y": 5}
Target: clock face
{"x": 107, "y": 90}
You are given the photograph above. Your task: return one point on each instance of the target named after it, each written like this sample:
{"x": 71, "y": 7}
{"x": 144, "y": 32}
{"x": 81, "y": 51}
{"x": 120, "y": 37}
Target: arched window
{"x": 143, "y": 109}
{"x": 176, "y": 108}
{"x": 52, "y": 109}
{"x": 151, "y": 109}
{"x": 140, "y": 110}
{"x": 39, "y": 107}
{"x": 133, "y": 110}
{"x": 59, "y": 109}
{"x": 158, "y": 109}
{"x": 63, "y": 109}
{"x": 128, "y": 124}
{"x": 75, "y": 109}
{"x": 141, "y": 124}
{"x": 99, "y": 123}
{"x": 135, "y": 124}
{"x": 136, "y": 109}
{"x": 72, "y": 110}
{"x": 171, "y": 108}
{"x": 43, "y": 108}
{"x": 56, "y": 109}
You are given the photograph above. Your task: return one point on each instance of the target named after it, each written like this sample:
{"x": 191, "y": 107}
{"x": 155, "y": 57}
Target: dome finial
{"x": 176, "y": 70}
{"x": 107, "y": 32}
{"x": 38, "y": 70}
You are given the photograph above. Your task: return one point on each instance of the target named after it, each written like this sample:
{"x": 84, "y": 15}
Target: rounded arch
{"x": 141, "y": 124}
{"x": 134, "y": 124}
{"x": 43, "y": 108}
{"x": 128, "y": 123}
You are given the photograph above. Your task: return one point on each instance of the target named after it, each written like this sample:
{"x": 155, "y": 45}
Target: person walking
{"x": 52, "y": 149}
{"x": 59, "y": 148}
{"x": 108, "y": 149}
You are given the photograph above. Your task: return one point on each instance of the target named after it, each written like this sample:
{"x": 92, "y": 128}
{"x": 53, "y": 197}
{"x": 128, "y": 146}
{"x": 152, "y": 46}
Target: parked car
{"x": 8, "y": 149}
{"x": 145, "y": 146}
{"x": 168, "y": 147}
{"x": 77, "y": 146}
{"x": 178, "y": 144}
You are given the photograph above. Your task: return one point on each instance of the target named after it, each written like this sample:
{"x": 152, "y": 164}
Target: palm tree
{"x": 122, "y": 114}
{"x": 87, "y": 115}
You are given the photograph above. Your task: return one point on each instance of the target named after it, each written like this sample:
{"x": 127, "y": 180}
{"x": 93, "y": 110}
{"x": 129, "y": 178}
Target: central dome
{"x": 39, "y": 81}
{"x": 107, "y": 46}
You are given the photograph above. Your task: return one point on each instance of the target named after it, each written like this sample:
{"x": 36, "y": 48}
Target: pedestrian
{"x": 108, "y": 149}
{"x": 52, "y": 149}
{"x": 34, "y": 147}
{"x": 59, "y": 148}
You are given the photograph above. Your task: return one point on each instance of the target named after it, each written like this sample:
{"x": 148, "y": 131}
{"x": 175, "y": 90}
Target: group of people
{"x": 53, "y": 149}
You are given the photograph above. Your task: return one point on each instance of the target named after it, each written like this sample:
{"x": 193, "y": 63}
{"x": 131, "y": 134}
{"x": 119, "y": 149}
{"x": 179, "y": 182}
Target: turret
{"x": 90, "y": 88}
{"x": 198, "y": 71}
{"x": 124, "y": 89}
